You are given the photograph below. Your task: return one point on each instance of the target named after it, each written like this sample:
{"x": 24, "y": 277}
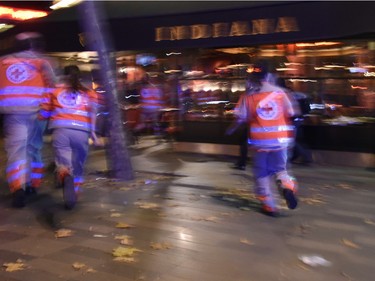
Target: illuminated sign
{"x": 226, "y": 29}
{"x": 20, "y": 14}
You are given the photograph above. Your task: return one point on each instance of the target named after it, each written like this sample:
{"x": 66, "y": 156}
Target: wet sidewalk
{"x": 191, "y": 217}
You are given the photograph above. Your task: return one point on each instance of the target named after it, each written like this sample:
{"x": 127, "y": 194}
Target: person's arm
{"x": 45, "y": 106}
{"x": 241, "y": 113}
{"x": 93, "y": 111}
{"x": 290, "y": 105}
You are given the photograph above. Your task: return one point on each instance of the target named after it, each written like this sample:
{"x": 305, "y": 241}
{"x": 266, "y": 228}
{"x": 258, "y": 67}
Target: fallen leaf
{"x": 14, "y": 266}
{"x": 344, "y": 186}
{"x": 211, "y": 219}
{"x": 91, "y": 270}
{"x": 62, "y": 233}
{"x": 115, "y": 215}
{"x": 369, "y": 221}
{"x": 78, "y": 265}
{"x": 349, "y": 243}
{"x": 125, "y": 259}
{"x": 125, "y": 240}
{"x": 99, "y": 236}
{"x": 123, "y": 225}
{"x": 121, "y": 237}
{"x": 347, "y": 276}
{"x": 160, "y": 245}
{"x": 125, "y": 251}
{"x": 146, "y": 205}
{"x": 246, "y": 241}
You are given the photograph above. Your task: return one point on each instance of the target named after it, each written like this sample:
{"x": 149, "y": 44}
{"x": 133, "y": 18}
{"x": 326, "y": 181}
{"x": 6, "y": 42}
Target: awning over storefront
{"x": 279, "y": 23}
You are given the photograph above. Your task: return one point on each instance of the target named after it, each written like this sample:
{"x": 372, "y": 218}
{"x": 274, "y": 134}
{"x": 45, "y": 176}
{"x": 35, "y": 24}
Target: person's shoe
{"x": 69, "y": 194}
{"x": 30, "y": 190}
{"x": 268, "y": 211}
{"x": 18, "y": 200}
{"x": 290, "y": 198}
{"x": 288, "y": 194}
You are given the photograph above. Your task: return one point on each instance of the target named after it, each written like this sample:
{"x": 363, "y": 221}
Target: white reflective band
{"x": 272, "y": 129}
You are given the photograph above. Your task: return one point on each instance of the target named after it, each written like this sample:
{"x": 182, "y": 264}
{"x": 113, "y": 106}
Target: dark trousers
{"x": 242, "y": 159}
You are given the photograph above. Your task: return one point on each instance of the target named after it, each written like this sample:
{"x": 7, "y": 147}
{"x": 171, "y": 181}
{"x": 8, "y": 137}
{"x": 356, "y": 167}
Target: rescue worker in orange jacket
{"x": 268, "y": 110}
{"x": 151, "y": 102}
{"x": 24, "y": 77}
{"x": 71, "y": 109}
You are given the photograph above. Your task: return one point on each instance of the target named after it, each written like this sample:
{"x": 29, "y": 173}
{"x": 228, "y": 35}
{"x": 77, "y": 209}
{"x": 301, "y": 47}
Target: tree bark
{"x": 97, "y": 38}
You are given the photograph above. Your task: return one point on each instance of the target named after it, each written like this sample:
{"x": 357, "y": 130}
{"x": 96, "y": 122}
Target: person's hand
{"x": 97, "y": 141}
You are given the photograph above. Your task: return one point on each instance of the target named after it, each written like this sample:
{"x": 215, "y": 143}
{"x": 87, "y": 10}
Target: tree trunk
{"x": 97, "y": 38}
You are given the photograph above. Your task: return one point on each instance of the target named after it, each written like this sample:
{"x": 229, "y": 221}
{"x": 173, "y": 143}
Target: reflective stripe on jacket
{"x": 67, "y": 109}
{"x": 152, "y": 98}
{"x": 22, "y": 83}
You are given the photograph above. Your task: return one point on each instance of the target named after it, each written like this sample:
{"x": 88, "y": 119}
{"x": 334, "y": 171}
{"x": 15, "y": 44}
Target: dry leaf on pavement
{"x": 62, "y": 233}
{"x": 123, "y": 225}
{"x": 78, "y": 265}
{"x": 125, "y": 240}
{"x": 369, "y": 221}
{"x": 146, "y": 205}
{"x": 91, "y": 270}
{"x": 246, "y": 241}
{"x": 14, "y": 266}
{"x": 349, "y": 243}
{"x": 125, "y": 251}
{"x": 115, "y": 215}
{"x": 344, "y": 186}
{"x": 125, "y": 259}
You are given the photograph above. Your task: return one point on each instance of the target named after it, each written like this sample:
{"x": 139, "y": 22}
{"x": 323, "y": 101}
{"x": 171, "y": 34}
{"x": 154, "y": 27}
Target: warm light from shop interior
{"x": 316, "y": 44}
{"x": 4, "y": 26}
{"x": 61, "y": 4}
{"x": 286, "y": 69}
{"x": 20, "y": 14}
{"x": 358, "y": 87}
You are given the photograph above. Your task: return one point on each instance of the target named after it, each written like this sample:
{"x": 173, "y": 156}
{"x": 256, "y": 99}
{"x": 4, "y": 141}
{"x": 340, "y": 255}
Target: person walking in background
{"x": 71, "y": 109}
{"x": 24, "y": 77}
{"x": 300, "y": 153}
{"x": 267, "y": 111}
{"x": 151, "y": 102}
{"x": 242, "y": 128}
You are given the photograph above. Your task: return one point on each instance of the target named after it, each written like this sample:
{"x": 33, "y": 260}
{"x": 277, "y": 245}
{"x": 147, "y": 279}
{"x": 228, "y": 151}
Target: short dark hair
{"x": 260, "y": 69}
{"x": 73, "y": 75}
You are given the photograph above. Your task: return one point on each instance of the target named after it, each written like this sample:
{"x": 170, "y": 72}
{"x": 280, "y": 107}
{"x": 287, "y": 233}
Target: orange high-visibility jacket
{"x": 152, "y": 98}
{"x": 68, "y": 109}
{"x": 268, "y": 115}
{"x": 24, "y": 78}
